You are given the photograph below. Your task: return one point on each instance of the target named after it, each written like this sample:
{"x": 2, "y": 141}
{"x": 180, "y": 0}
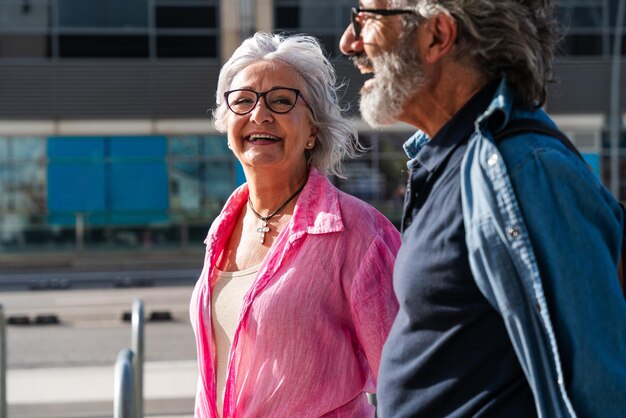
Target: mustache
{"x": 362, "y": 60}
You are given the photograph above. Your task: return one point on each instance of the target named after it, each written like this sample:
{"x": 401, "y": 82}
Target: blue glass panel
{"x": 216, "y": 145}
{"x": 75, "y": 188}
{"x": 4, "y": 149}
{"x": 184, "y": 146}
{"x": 211, "y": 145}
{"x": 76, "y": 184}
{"x": 138, "y": 186}
{"x": 240, "y": 177}
{"x": 75, "y": 147}
{"x": 138, "y": 180}
{"x": 138, "y": 146}
{"x": 118, "y": 180}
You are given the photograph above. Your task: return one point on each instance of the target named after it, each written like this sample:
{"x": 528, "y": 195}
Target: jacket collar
{"x": 499, "y": 110}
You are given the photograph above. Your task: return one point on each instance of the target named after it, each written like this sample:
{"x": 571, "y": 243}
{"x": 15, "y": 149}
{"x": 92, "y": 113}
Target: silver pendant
{"x": 262, "y": 230}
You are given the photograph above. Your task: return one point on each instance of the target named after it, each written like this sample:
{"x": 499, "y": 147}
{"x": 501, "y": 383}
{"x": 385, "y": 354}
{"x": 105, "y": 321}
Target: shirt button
{"x": 513, "y": 232}
{"x": 493, "y": 159}
{"x": 408, "y": 221}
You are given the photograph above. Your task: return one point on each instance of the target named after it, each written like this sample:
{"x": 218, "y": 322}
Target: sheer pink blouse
{"x": 312, "y": 326}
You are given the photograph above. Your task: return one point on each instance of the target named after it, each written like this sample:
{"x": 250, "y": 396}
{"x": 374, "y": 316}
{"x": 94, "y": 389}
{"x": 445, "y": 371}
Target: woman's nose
{"x": 261, "y": 113}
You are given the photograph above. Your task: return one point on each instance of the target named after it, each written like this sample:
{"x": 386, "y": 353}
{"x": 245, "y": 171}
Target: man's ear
{"x": 438, "y": 35}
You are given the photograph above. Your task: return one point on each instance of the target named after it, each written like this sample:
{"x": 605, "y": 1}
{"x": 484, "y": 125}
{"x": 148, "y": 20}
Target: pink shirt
{"x": 312, "y": 326}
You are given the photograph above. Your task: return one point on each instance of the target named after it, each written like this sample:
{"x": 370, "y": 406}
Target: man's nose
{"x": 348, "y": 45}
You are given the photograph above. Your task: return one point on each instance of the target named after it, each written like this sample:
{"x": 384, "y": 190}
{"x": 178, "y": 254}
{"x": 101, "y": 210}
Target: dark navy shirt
{"x": 448, "y": 353}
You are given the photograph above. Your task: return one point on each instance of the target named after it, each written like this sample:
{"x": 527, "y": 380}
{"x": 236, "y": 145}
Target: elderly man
{"x": 510, "y": 303}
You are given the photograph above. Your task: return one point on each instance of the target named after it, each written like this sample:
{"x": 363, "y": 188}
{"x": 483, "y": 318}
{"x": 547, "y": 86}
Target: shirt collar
{"x": 317, "y": 210}
{"x": 431, "y": 152}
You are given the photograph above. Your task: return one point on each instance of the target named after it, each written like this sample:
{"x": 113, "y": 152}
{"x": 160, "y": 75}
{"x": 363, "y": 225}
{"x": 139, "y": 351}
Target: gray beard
{"x": 398, "y": 75}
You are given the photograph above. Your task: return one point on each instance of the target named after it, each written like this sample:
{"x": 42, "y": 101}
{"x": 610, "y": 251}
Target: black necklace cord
{"x": 271, "y": 215}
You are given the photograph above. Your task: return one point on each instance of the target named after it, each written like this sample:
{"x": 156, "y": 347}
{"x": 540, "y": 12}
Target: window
{"x": 24, "y": 15}
{"x": 186, "y": 46}
{"x": 203, "y": 173}
{"x": 186, "y": 17}
{"x": 186, "y": 30}
{"x": 103, "y": 14}
{"x": 22, "y": 187}
{"x": 326, "y": 20}
{"x": 109, "y": 29}
{"x": 22, "y": 179}
{"x": 103, "y": 46}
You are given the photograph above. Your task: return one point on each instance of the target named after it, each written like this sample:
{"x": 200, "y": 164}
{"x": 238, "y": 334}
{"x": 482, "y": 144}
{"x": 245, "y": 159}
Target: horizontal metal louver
{"x": 186, "y": 89}
{"x": 105, "y": 90}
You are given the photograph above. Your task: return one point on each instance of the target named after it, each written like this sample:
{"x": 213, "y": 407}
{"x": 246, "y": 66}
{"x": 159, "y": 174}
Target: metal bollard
{"x": 80, "y": 231}
{"x": 123, "y": 385}
{"x": 137, "y": 347}
{"x": 3, "y": 365}
{"x": 371, "y": 398}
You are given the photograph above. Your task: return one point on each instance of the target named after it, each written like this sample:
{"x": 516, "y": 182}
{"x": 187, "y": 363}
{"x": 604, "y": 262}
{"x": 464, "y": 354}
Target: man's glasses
{"x": 279, "y": 100}
{"x": 356, "y": 25}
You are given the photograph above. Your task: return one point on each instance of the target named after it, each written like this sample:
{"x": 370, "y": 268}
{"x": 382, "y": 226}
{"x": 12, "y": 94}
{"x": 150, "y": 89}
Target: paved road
{"x": 96, "y": 279}
{"x": 91, "y": 331}
{"x": 66, "y": 370}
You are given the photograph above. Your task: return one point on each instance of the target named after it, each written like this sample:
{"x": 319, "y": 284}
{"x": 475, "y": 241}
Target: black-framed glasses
{"x": 279, "y": 100}
{"x": 356, "y": 25}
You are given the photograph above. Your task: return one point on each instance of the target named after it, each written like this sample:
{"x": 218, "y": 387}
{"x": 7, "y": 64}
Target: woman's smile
{"x": 262, "y": 139}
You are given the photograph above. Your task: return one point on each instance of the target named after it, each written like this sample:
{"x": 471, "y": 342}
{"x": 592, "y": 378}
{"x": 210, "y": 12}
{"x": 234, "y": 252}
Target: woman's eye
{"x": 242, "y": 101}
{"x": 281, "y": 100}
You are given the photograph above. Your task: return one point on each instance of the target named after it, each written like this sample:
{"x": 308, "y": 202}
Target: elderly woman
{"x": 295, "y": 299}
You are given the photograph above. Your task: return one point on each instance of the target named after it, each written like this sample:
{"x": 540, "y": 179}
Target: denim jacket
{"x": 544, "y": 238}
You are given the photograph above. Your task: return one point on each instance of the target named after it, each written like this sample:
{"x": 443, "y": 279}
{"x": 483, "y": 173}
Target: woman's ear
{"x": 312, "y": 137}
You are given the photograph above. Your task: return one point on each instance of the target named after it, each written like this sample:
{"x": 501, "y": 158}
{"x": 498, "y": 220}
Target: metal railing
{"x": 138, "y": 350}
{"x": 128, "y": 386}
{"x": 123, "y": 402}
{"x": 3, "y": 365}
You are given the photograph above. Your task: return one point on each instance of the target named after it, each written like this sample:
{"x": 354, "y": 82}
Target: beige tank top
{"x": 226, "y": 301}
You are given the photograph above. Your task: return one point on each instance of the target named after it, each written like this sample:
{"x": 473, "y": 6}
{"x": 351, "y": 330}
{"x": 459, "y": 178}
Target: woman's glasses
{"x": 279, "y": 100}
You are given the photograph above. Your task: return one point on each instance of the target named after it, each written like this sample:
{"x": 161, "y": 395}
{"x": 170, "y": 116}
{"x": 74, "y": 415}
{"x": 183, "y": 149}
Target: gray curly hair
{"x": 337, "y": 138}
{"x": 512, "y": 38}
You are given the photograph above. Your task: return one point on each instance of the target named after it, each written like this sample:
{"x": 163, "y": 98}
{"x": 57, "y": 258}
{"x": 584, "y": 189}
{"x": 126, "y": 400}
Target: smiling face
{"x": 391, "y": 54}
{"x": 262, "y": 139}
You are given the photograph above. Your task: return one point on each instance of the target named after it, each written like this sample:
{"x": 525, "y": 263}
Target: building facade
{"x": 106, "y": 140}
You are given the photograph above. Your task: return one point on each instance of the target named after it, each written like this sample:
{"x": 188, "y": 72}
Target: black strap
{"x": 622, "y": 279}
{"x": 525, "y": 126}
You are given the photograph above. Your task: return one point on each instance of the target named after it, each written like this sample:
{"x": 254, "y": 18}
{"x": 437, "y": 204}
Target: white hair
{"x": 514, "y": 38}
{"x": 337, "y": 138}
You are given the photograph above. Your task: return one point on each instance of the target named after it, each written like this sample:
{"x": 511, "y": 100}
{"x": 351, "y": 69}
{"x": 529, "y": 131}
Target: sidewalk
{"x": 85, "y": 392}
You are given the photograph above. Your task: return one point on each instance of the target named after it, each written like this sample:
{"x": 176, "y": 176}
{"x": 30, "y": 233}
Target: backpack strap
{"x": 622, "y": 259}
{"x": 524, "y": 126}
